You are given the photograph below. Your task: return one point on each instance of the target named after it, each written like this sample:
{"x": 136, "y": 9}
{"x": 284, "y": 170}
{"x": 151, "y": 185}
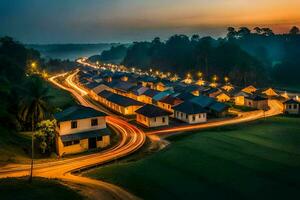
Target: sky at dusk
{"x": 90, "y": 21}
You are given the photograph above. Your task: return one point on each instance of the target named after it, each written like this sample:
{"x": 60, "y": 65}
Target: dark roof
{"x": 138, "y": 90}
{"x": 256, "y": 98}
{"x": 123, "y": 101}
{"x": 218, "y": 107}
{"x": 151, "y": 93}
{"x": 105, "y": 94}
{"x": 185, "y": 96}
{"x": 150, "y": 110}
{"x": 77, "y": 112}
{"x": 170, "y": 100}
{"x": 291, "y": 101}
{"x": 123, "y": 86}
{"x": 84, "y": 135}
{"x": 91, "y": 85}
{"x": 189, "y": 108}
{"x": 203, "y": 101}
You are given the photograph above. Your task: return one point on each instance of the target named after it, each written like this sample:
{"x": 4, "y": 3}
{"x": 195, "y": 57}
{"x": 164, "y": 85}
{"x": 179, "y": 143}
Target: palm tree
{"x": 34, "y": 107}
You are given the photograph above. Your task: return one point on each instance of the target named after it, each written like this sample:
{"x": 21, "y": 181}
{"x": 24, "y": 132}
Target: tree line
{"x": 257, "y": 56}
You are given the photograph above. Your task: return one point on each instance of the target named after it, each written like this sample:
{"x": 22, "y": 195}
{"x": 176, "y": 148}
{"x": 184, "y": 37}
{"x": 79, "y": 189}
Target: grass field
{"x": 61, "y": 99}
{"x": 21, "y": 189}
{"x": 258, "y": 160}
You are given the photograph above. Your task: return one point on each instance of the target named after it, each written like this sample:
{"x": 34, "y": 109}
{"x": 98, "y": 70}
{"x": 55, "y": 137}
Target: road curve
{"x": 132, "y": 139}
{"x": 275, "y": 109}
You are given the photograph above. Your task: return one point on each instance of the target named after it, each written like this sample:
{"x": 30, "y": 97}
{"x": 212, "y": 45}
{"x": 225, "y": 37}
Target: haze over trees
{"x": 246, "y": 56}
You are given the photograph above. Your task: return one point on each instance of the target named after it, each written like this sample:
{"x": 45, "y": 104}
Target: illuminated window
{"x": 73, "y": 124}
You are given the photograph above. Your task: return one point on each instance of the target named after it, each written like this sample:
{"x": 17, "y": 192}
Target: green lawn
{"x": 40, "y": 189}
{"x": 61, "y": 99}
{"x": 258, "y": 160}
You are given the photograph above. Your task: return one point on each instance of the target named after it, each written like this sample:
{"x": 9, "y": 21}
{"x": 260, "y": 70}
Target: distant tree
{"x": 258, "y": 30}
{"x": 267, "y": 32}
{"x": 294, "y": 30}
{"x": 231, "y": 33}
{"x": 195, "y": 38}
{"x": 243, "y": 31}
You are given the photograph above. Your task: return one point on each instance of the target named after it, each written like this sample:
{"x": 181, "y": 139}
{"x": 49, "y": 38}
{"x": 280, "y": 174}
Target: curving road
{"x": 132, "y": 139}
{"x": 275, "y": 109}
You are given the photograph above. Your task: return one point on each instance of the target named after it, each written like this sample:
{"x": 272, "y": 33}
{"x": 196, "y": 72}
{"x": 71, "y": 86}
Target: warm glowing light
{"x": 226, "y": 79}
{"x": 215, "y": 78}
{"x": 199, "y": 74}
{"x": 33, "y": 65}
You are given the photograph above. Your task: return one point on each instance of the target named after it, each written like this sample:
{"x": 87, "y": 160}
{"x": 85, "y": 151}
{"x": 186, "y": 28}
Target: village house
{"x": 168, "y": 102}
{"x": 136, "y": 92}
{"x": 118, "y": 103}
{"x": 250, "y": 89}
{"x": 239, "y": 98}
{"x": 148, "y": 95}
{"x": 228, "y": 87}
{"x": 152, "y": 116}
{"x": 96, "y": 90}
{"x": 190, "y": 112}
{"x": 79, "y": 129}
{"x": 256, "y": 101}
{"x": 223, "y": 97}
{"x": 292, "y": 106}
{"x": 213, "y": 107}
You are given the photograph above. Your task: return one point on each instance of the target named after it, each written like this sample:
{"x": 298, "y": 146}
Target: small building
{"x": 223, "y": 97}
{"x": 148, "y": 95}
{"x": 118, "y": 103}
{"x": 256, "y": 101}
{"x": 270, "y": 92}
{"x": 96, "y": 90}
{"x": 250, "y": 89}
{"x": 80, "y": 128}
{"x": 292, "y": 106}
{"x": 168, "y": 102}
{"x": 137, "y": 92}
{"x": 228, "y": 87}
{"x": 190, "y": 113}
{"x": 152, "y": 116}
{"x": 239, "y": 98}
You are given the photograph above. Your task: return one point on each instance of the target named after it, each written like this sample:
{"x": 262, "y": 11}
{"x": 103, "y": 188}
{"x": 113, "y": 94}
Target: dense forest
{"x": 246, "y": 56}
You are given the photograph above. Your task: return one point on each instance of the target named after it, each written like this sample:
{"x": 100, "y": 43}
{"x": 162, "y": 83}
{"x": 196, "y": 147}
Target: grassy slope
{"x": 13, "y": 146}
{"x": 17, "y": 189}
{"x": 259, "y": 160}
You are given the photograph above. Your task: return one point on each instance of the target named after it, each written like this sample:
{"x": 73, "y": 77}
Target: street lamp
{"x": 200, "y": 74}
{"x": 226, "y": 79}
{"x": 215, "y": 78}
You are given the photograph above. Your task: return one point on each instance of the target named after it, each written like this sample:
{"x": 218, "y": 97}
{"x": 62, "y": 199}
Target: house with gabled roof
{"x": 152, "y": 116}
{"x": 190, "y": 112}
{"x": 168, "y": 102}
{"x": 148, "y": 95}
{"x": 257, "y": 101}
{"x": 118, "y": 103}
{"x": 249, "y": 89}
{"x": 136, "y": 92}
{"x": 80, "y": 128}
{"x": 292, "y": 106}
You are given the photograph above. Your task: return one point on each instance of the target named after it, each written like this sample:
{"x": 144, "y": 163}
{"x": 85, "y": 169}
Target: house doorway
{"x": 92, "y": 143}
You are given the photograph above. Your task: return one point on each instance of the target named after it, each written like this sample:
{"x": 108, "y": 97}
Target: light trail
{"x": 131, "y": 140}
